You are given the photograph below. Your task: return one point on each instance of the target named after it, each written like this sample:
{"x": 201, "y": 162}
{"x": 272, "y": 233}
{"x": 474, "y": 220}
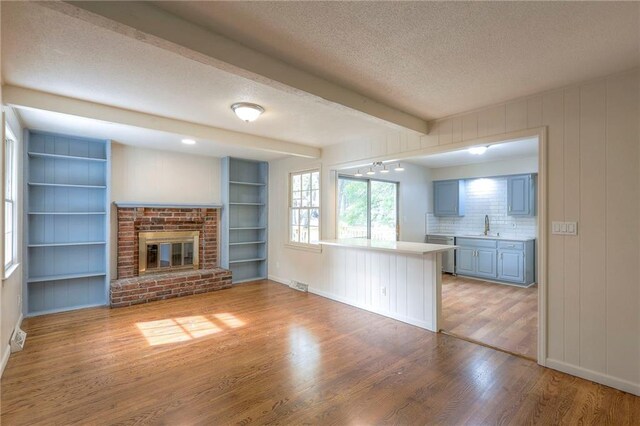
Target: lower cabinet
{"x": 500, "y": 260}
{"x": 511, "y": 266}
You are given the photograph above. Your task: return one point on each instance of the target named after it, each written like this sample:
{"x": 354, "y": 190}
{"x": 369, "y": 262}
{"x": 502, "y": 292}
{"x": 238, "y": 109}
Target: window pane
{"x": 315, "y": 180}
{"x": 152, "y": 256}
{"x": 165, "y": 255}
{"x": 383, "y": 210}
{"x": 176, "y": 254}
{"x": 306, "y": 198}
{"x": 304, "y": 234}
{"x": 297, "y": 185}
{"x": 314, "y": 235}
{"x": 314, "y": 218}
{"x": 188, "y": 254}
{"x": 8, "y": 248}
{"x": 294, "y": 217}
{"x": 304, "y": 217}
{"x": 315, "y": 198}
{"x": 295, "y": 234}
{"x": 352, "y": 208}
{"x": 306, "y": 181}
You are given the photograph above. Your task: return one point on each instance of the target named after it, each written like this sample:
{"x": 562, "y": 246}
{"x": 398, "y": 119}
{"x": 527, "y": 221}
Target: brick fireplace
{"x": 133, "y": 287}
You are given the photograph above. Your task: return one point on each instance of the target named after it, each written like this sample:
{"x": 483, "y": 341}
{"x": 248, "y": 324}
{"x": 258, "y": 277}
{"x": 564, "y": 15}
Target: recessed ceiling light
{"x": 247, "y": 111}
{"x": 399, "y": 168}
{"x": 188, "y": 141}
{"x": 478, "y": 150}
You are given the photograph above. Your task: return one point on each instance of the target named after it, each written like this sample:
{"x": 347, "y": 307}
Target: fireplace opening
{"x": 161, "y": 252}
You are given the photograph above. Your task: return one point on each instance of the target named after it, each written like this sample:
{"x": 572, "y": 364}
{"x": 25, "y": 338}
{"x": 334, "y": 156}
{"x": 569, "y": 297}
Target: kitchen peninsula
{"x": 396, "y": 279}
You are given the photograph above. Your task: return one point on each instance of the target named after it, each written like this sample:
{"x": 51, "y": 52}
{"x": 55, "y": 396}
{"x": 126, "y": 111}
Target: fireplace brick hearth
{"x": 132, "y": 288}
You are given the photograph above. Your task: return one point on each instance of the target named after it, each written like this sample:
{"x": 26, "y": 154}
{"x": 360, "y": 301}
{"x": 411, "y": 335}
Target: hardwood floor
{"x": 263, "y": 353}
{"x": 502, "y": 316}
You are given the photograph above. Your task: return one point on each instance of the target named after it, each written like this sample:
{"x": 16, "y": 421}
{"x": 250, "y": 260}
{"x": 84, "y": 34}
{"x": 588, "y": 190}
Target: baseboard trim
{"x": 279, "y": 280}
{"x": 7, "y": 352}
{"x": 584, "y": 373}
{"x": 5, "y": 359}
{"x": 402, "y": 318}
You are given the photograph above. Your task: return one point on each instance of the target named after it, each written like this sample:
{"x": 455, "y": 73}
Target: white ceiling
{"x": 128, "y": 135}
{"x": 434, "y": 59}
{"x": 503, "y": 151}
{"x": 49, "y": 51}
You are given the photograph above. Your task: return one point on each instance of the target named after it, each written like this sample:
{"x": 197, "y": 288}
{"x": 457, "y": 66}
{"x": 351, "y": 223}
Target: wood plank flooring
{"x": 262, "y": 353}
{"x": 502, "y": 316}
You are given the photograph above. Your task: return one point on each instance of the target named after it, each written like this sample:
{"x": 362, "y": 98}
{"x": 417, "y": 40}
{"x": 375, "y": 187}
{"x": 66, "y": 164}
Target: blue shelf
{"x": 83, "y": 243}
{"x": 257, "y": 259}
{"x": 244, "y": 184}
{"x": 66, "y": 185}
{"x": 64, "y": 157}
{"x": 247, "y": 243}
{"x": 232, "y": 182}
{"x": 65, "y": 277}
{"x": 66, "y": 263}
{"x": 67, "y": 213}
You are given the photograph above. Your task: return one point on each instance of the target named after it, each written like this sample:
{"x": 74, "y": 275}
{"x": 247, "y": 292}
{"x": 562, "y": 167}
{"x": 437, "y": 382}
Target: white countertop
{"x": 485, "y": 237}
{"x": 388, "y": 246}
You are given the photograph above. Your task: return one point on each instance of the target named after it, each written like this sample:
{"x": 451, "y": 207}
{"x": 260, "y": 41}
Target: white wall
{"x": 149, "y": 175}
{"x": 493, "y": 168}
{"x": 11, "y": 300}
{"x": 593, "y": 178}
{"x": 415, "y": 199}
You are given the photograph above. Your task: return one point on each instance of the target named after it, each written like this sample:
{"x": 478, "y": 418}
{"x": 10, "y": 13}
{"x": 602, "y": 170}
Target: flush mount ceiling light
{"x": 247, "y": 111}
{"x": 188, "y": 141}
{"x": 399, "y": 168}
{"x": 478, "y": 150}
{"x": 358, "y": 173}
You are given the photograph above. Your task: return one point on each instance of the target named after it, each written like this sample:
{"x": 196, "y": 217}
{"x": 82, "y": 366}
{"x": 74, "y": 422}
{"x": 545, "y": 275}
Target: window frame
{"x": 10, "y": 159}
{"x": 368, "y": 180}
{"x": 296, "y": 244}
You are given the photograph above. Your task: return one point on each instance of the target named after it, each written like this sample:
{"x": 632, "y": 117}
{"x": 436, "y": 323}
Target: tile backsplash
{"x": 485, "y": 196}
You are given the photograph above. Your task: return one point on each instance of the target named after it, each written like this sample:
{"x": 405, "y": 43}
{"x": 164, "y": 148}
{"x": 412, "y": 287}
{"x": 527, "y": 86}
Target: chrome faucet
{"x": 486, "y": 224}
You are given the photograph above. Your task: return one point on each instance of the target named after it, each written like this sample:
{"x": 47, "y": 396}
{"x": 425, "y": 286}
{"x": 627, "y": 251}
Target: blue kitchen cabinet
{"x": 521, "y": 195}
{"x": 486, "y": 263}
{"x": 507, "y": 261}
{"x": 448, "y": 198}
{"x": 511, "y": 266}
{"x": 465, "y": 261}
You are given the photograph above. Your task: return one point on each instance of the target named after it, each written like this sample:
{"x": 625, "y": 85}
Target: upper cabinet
{"x": 521, "y": 195}
{"x": 448, "y": 198}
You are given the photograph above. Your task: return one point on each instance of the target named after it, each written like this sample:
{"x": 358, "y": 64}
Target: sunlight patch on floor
{"x": 182, "y": 329}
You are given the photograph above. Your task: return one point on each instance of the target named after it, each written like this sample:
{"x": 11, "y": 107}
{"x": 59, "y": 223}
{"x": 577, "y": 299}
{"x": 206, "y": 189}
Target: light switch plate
{"x": 564, "y": 228}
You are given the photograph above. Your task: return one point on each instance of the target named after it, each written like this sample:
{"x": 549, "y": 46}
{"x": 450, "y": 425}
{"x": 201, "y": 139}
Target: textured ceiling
{"x": 46, "y": 50}
{"x": 129, "y": 135}
{"x": 434, "y": 59}
{"x": 503, "y": 151}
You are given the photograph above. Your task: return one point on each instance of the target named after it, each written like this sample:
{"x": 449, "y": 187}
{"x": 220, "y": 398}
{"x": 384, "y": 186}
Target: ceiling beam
{"x": 150, "y": 24}
{"x": 29, "y": 98}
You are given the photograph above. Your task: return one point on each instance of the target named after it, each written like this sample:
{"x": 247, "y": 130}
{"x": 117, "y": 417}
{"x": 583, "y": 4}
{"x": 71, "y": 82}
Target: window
{"x": 304, "y": 207}
{"x": 10, "y": 214}
{"x": 367, "y": 208}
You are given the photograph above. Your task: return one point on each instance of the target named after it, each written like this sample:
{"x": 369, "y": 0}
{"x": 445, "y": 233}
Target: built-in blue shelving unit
{"x": 244, "y": 218}
{"x": 66, "y": 222}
